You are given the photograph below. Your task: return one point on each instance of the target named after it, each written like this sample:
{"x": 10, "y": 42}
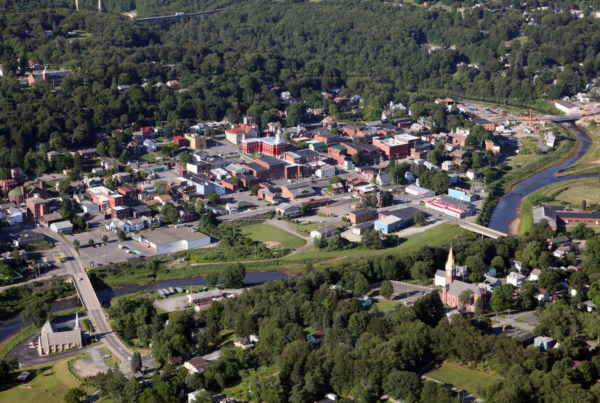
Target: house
{"x": 589, "y": 306}
{"x": 48, "y": 219}
{"x": 365, "y": 301}
{"x": 88, "y": 153}
{"x": 192, "y": 395}
{"x": 559, "y": 241}
{"x": 173, "y": 84}
{"x": 515, "y": 279}
{"x": 323, "y": 232}
{"x": 439, "y": 278}
{"x": 196, "y": 365}
{"x": 317, "y": 337}
{"x": 543, "y": 296}
{"x": 409, "y": 176}
{"x": 543, "y": 342}
{"x": 384, "y": 179}
{"x": 8, "y": 184}
{"x": 18, "y": 174}
{"x": 535, "y": 275}
{"x": 61, "y": 226}
{"x": 150, "y": 145}
{"x": 13, "y": 216}
{"x": 472, "y": 174}
{"x": 243, "y": 343}
{"x": 288, "y": 210}
{"x": 491, "y": 272}
{"x": 453, "y": 288}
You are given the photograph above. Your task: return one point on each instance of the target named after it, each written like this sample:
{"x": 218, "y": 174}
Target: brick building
{"x": 37, "y": 206}
{"x": 392, "y": 147}
{"x": 265, "y": 145}
{"x": 275, "y": 166}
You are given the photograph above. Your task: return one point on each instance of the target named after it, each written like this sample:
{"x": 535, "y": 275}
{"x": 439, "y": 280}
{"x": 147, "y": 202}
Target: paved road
{"x": 92, "y": 305}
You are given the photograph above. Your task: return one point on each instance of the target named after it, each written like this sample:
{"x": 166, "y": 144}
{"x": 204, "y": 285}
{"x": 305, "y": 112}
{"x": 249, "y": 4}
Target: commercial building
{"x": 360, "y": 216}
{"x": 53, "y": 77}
{"x": 388, "y": 224}
{"x": 487, "y": 125}
{"x": 26, "y": 237}
{"x": 196, "y": 141}
{"x": 453, "y": 208}
{"x": 172, "y": 239}
{"x": 297, "y": 191}
{"x": 241, "y": 132}
{"x": 323, "y": 232}
{"x": 61, "y": 226}
{"x": 566, "y": 107}
{"x": 37, "y": 206}
{"x": 202, "y": 297}
{"x": 106, "y": 198}
{"x": 419, "y": 191}
{"x": 359, "y": 229}
{"x": 462, "y": 195}
{"x": 392, "y": 147}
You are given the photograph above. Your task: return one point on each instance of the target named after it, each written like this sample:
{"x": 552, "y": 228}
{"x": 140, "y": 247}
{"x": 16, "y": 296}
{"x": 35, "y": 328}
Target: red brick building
{"x": 37, "y": 206}
{"x": 275, "y": 166}
{"x": 88, "y": 153}
{"x": 392, "y": 147}
{"x": 180, "y": 141}
{"x": 8, "y": 184}
{"x": 265, "y": 145}
{"x": 128, "y": 192}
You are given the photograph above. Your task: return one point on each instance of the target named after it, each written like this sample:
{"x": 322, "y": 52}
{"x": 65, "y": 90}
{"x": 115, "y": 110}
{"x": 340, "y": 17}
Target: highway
{"x": 90, "y": 301}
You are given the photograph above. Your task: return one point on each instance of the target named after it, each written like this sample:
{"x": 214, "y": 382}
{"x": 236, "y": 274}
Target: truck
{"x": 180, "y": 13}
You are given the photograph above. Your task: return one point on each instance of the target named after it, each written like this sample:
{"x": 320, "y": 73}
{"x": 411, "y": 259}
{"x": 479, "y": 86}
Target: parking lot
{"x": 104, "y": 254}
{"x": 404, "y": 291}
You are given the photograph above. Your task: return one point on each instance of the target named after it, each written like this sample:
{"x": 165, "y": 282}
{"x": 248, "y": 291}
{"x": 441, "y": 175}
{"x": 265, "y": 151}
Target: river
{"x": 506, "y": 209}
{"x": 13, "y": 325}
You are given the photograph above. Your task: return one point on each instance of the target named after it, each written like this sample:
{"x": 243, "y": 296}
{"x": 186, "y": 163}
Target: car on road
{"x": 322, "y": 221}
{"x": 80, "y": 278}
{"x": 32, "y": 346}
{"x": 129, "y": 358}
{"x": 52, "y": 176}
{"x": 423, "y": 292}
{"x": 188, "y": 306}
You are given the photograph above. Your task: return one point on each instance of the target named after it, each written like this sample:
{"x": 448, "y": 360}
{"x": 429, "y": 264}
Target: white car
{"x": 32, "y": 346}
{"x": 129, "y": 358}
{"x": 106, "y": 356}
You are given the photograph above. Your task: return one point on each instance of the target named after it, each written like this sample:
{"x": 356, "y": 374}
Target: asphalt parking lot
{"x": 110, "y": 253}
{"x": 404, "y": 291}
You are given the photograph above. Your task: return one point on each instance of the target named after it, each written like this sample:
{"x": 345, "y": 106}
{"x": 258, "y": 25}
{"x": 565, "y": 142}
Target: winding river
{"x": 506, "y": 209}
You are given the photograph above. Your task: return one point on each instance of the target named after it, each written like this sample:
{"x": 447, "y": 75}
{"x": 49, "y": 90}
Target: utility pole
{"x": 100, "y": 6}
{"x": 77, "y": 5}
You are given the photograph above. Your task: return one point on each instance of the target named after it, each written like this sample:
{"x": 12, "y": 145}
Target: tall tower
{"x": 100, "y": 5}
{"x": 450, "y": 273}
{"x": 77, "y": 5}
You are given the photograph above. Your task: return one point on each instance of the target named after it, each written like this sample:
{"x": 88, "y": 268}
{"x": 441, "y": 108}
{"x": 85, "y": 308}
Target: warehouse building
{"x": 419, "y": 191}
{"x": 172, "y": 239}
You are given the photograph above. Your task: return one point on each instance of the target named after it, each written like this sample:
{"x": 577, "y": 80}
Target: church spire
{"x": 76, "y": 320}
{"x": 450, "y": 262}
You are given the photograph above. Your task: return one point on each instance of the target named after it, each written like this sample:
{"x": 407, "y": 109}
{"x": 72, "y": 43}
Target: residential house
{"x": 196, "y": 365}
{"x": 543, "y": 342}
{"x": 317, "y": 337}
{"x": 90, "y": 208}
{"x": 515, "y": 279}
{"x": 18, "y": 174}
{"x": 543, "y": 296}
{"x": 288, "y": 210}
{"x": 365, "y": 301}
{"x": 535, "y": 275}
{"x": 88, "y": 153}
{"x": 150, "y": 145}
{"x": 243, "y": 342}
{"x": 384, "y": 179}
{"x": 472, "y": 174}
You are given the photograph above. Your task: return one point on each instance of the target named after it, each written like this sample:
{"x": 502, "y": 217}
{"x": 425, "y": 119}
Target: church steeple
{"x": 450, "y": 268}
{"x": 450, "y": 261}
{"x": 76, "y": 320}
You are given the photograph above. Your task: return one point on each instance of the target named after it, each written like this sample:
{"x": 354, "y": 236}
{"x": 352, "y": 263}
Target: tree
{"x": 104, "y": 239}
{"x": 475, "y": 277}
{"x": 75, "y": 395}
{"x": 465, "y": 298}
{"x": 476, "y": 264}
{"x": 499, "y": 302}
{"x": 101, "y": 148}
{"x": 334, "y": 180}
{"x": 549, "y": 280}
{"x": 214, "y": 198}
{"x": 211, "y": 280}
{"x": 162, "y": 188}
{"x": 356, "y": 159}
{"x": 498, "y": 263}
{"x": 90, "y": 242}
{"x": 204, "y": 397}
{"x": 476, "y": 160}
{"x": 403, "y": 386}
{"x": 121, "y": 235}
{"x": 233, "y": 276}
{"x": 429, "y": 308}
{"x": 254, "y": 190}
{"x": 66, "y": 210}
{"x": 169, "y": 213}
{"x": 76, "y": 243}
{"x": 387, "y": 289}
{"x": 136, "y": 362}
{"x": 478, "y": 307}
{"x": 420, "y": 219}
{"x": 185, "y": 158}
{"x": 64, "y": 187}
{"x": 124, "y": 157}
{"x": 17, "y": 257}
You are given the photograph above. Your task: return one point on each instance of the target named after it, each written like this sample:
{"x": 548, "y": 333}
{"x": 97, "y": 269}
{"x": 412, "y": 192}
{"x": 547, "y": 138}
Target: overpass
{"x": 178, "y": 17}
{"x": 480, "y": 229}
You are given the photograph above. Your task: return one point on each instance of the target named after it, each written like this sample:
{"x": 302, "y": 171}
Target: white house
{"x": 440, "y": 278}
{"x": 365, "y": 301}
{"x": 325, "y": 171}
{"x": 543, "y": 296}
{"x": 472, "y": 174}
{"x": 150, "y": 144}
{"x": 515, "y": 279}
{"x": 534, "y": 275}
{"x": 409, "y": 176}
{"x": 192, "y": 396}
{"x": 90, "y": 208}
{"x": 128, "y": 226}
{"x": 384, "y": 179}
{"x": 232, "y": 208}
{"x": 285, "y": 95}
{"x": 14, "y": 216}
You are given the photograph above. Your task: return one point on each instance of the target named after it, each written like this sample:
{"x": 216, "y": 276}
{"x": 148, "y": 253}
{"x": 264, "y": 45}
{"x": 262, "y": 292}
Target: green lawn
{"x": 228, "y": 338}
{"x": 433, "y": 237}
{"x": 50, "y": 387}
{"x": 385, "y": 306}
{"x": 150, "y": 157}
{"x": 586, "y": 189}
{"x": 88, "y": 165}
{"x": 266, "y": 232}
{"x": 522, "y": 319}
{"x": 112, "y": 361}
{"x": 38, "y": 246}
{"x": 462, "y": 378}
{"x": 305, "y": 229}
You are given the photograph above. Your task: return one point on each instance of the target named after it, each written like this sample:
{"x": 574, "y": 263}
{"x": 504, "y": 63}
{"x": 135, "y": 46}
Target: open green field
{"x": 38, "y": 246}
{"x": 463, "y": 378}
{"x": 583, "y": 189}
{"x": 268, "y": 233}
{"x": 88, "y": 165}
{"x": 433, "y": 237}
{"x": 386, "y": 306}
{"x": 49, "y": 387}
{"x": 590, "y": 162}
{"x": 304, "y": 229}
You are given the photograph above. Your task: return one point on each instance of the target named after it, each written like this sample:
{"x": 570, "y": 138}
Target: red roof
{"x": 147, "y": 129}
{"x": 316, "y": 201}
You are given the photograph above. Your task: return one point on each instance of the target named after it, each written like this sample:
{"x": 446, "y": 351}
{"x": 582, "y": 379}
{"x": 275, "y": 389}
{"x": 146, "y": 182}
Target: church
{"x": 453, "y": 288}
{"x": 53, "y": 341}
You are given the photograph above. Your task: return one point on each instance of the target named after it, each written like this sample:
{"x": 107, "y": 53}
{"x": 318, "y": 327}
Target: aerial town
{"x": 232, "y": 202}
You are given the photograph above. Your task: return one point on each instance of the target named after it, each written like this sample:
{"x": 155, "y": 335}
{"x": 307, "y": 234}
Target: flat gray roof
{"x": 168, "y": 235}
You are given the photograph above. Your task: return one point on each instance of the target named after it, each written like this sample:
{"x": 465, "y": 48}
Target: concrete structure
{"x": 453, "y": 288}
{"x": 52, "y": 341}
{"x": 172, "y": 239}
{"x": 388, "y": 224}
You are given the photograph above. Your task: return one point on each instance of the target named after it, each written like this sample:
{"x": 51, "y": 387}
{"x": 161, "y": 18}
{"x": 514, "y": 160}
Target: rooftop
{"x": 168, "y": 235}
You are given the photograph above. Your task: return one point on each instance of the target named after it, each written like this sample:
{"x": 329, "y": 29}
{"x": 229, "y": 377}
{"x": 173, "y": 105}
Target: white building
{"x": 325, "y": 171}
{"x": 384, "y": 179}
{"x": 365, "y": 301}
{"x": 535, "y": 275}
{"x": 419, "y": 191}
{"x": 515, "y": 279}
{"x": 14, "y": 216}
{"x": 566, "y": 107}
{"x": 440, "y": 278}
{"x": 172, "y": 239}
{"x": 90, "y": 208}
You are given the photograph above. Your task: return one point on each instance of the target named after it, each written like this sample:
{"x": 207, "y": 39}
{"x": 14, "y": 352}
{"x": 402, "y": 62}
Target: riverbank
{"x": 590, "y": 161}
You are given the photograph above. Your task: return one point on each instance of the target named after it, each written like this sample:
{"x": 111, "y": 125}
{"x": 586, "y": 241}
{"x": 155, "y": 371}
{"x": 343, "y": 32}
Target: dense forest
{"x": 228, "y": 61}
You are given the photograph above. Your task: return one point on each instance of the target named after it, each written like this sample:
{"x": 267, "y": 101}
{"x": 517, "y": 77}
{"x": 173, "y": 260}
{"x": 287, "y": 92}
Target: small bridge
{"x": 480, "y": 229}
{"x": 177, "y": 17}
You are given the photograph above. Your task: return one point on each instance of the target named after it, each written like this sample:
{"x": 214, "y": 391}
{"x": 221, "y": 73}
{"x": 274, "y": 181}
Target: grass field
{"x": 433, "y": 237}
{"x": 49, "y": 387}
{"x": 385, "y": 306}
{"x": 265, "y": 232}
{"x": 304, "y": 229}
{"x": 38, "y": 246}
{"x": 590, "y": 160}
{"x": 463, "y": 378}
{"x": 112, "y": 361}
